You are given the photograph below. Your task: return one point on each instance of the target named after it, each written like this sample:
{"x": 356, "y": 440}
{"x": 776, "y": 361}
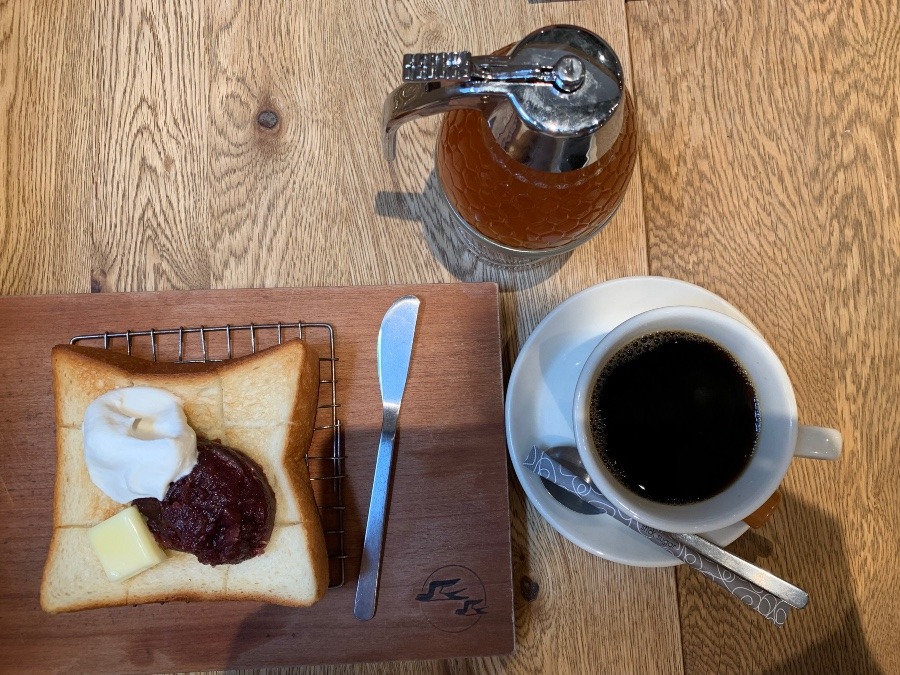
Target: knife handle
{"x": 370, "y": 565}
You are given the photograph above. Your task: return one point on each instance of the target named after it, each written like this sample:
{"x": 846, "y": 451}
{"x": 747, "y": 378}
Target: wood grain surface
{"x": 770, "y": 168}
{"x": 133, "y": 158}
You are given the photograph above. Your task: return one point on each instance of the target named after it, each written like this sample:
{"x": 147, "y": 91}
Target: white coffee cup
{"x": 780, "y": 436}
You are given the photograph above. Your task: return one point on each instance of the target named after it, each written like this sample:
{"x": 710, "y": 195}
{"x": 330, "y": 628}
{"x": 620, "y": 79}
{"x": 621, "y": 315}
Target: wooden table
{"x": 139, "y": 153}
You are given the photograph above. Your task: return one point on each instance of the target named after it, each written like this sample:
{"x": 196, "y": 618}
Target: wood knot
{"x": 98, "y": 280}
{"x": 529, "y": 588}
{"x": 268, "y": 119}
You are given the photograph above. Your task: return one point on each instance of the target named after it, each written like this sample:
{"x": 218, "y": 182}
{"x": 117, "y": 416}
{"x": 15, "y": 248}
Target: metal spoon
{"x": 568, "y": 457}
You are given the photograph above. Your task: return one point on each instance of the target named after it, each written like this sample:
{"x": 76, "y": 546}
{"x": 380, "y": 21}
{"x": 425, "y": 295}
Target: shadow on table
{"x": 273, "y": 633}
{"x": 443, "y": 238}
{"x": 825, "y": 637}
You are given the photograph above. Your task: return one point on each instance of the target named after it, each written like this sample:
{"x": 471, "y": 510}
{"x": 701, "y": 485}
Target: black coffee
{"x": 674, "y": 417}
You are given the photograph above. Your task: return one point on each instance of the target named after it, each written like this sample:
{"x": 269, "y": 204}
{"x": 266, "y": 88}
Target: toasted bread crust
{"x": 264, "y": 405}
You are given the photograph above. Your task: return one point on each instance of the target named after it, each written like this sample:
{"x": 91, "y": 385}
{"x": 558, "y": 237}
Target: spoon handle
{"x": 795, "y": 597}
{"x": 770, "y": 605}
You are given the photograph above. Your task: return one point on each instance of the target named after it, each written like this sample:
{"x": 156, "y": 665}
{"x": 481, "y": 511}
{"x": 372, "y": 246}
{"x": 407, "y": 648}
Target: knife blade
{"x": 395, "y": 342}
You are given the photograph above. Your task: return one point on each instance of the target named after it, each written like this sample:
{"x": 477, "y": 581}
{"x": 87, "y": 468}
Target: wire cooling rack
{"x": 213, "y": 344}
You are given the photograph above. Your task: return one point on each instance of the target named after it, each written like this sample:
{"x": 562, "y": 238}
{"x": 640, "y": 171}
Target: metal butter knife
{"x": 395, "y": 341}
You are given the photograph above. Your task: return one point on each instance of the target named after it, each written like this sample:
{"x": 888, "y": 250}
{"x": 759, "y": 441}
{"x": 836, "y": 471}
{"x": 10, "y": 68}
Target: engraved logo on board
{"x": 452, "y": 599}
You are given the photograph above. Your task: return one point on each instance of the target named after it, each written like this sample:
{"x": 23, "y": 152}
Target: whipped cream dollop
{"x": 136, "y": 442}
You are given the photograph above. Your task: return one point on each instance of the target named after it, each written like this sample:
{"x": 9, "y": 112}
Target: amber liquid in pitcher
{"x": 523, "y": 208}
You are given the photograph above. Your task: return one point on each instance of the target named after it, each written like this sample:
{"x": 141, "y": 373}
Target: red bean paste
{"x": 223, "y": 511}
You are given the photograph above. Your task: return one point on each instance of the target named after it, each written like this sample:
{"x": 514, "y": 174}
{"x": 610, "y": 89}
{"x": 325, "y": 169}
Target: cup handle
{"x": 818, "y": 443}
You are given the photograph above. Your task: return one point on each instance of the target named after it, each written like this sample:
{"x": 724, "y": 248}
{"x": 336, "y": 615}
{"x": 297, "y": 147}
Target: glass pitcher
{"x": 538, "y": 145}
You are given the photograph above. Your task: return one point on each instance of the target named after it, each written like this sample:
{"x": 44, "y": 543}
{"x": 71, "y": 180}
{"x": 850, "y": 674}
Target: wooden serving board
{"x": 449, "y": 512}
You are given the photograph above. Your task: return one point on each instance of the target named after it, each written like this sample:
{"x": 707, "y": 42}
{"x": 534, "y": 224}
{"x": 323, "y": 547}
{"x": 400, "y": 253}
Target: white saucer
{"x": 542, "y": 387}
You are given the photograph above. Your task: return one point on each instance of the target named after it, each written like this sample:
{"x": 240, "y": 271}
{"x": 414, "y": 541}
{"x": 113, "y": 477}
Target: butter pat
{"x": 125, "y": 545}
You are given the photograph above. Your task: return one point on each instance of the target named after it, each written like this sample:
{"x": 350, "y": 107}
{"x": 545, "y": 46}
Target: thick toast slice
{"x": 263, "y": 405}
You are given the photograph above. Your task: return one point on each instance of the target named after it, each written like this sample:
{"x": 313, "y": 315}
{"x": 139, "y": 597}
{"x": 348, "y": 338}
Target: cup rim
{"x": 775, "y": 441}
